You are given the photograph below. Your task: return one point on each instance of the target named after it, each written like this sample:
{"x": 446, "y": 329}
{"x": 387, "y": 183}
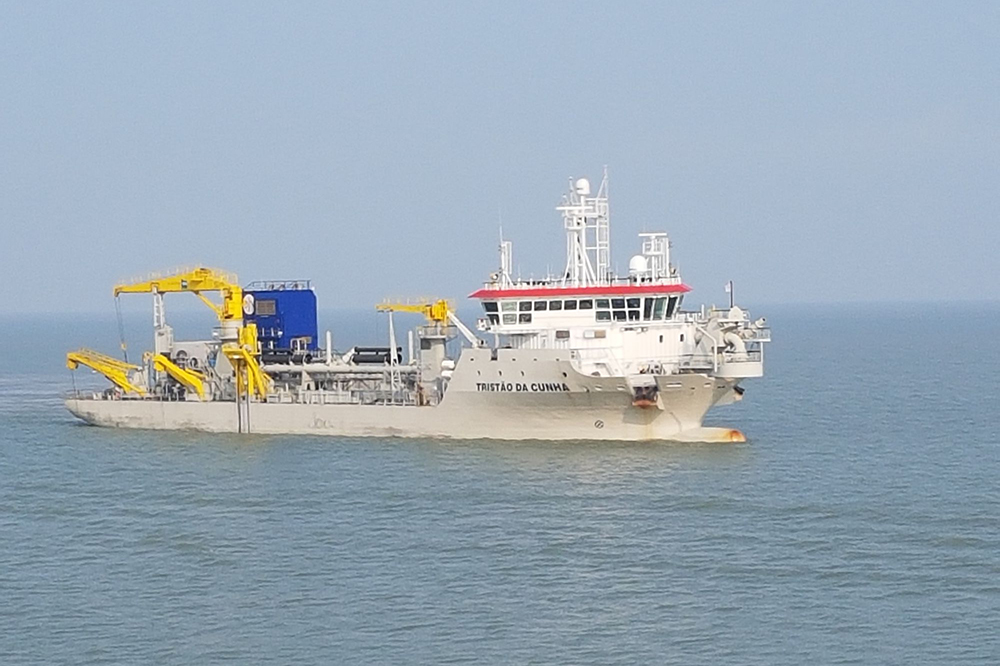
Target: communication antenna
{"x": 506, "y": 255}
{"x": 586, "y": 218}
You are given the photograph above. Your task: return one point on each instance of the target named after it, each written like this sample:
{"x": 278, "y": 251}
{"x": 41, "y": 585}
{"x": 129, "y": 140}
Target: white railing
{"x": 757, "y": 335}
{"x": 742, "y": 357}
{"x": 557, "y": 283}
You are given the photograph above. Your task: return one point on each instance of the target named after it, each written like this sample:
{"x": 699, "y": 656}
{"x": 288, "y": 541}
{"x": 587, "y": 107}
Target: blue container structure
{"x": 285, "y": 314}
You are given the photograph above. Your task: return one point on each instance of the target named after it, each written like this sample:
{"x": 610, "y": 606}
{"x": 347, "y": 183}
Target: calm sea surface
{"x": 860, "y": 523}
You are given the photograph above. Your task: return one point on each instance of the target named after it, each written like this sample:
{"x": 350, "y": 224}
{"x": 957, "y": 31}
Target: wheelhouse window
{"x": 603, "y": 315}
{"x": 618, "y": 303}
{"x": 671, "y": 306}
{"x": 510, "y": 318}
{"x": 569, "y": 305}
{"x": 658, "y": 307}
{"x": 603, "y": 303}
{"x": 508, "y": 306}
{"x": 494, "y": 318}
{"x": 541, "y": 306}
{"x": 633, "y": 303}
{"x": 634, "y": 315}
{"x": 491, "y": 306}
{"x": 555, "y": 305}
{"x": 524, "y": 306}
{"x": 619, "y": 315}
{"x": 524, "y": 318}
{"x": 586, "y": 304}
{"x": 647, "y": 308}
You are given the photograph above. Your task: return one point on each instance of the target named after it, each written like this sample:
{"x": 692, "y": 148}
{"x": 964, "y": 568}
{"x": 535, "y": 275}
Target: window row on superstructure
{"x": 655, "y": 308}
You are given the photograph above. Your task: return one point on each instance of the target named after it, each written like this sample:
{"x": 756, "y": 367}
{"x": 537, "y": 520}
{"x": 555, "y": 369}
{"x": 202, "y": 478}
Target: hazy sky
{"x": 809, "y": 151}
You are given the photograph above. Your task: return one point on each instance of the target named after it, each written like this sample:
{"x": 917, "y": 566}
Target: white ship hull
{"x": 543, "y": 404}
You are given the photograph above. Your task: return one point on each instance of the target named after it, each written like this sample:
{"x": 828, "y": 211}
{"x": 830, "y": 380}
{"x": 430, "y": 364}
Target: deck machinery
{"x": 226, "y": 367}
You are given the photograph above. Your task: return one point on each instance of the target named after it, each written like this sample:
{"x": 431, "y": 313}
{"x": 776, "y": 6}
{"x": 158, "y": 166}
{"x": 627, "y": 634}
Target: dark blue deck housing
{"x": 285, "y": 314}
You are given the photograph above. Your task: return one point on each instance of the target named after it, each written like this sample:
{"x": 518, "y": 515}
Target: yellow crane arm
{"x": 435, "y": 311}
{"x": 243, "y": 356}
{"x": 190, "y": 378}
{"x": 256, "y": 381}
{"x": 196, "y": 281}
{"x": 116, "y": 371}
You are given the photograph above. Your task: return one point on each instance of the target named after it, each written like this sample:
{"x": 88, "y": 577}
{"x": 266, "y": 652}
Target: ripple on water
{"x": 861, "y": 524}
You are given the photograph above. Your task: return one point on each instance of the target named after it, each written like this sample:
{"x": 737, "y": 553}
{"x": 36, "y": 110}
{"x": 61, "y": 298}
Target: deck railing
{"x": 741, "y": 357}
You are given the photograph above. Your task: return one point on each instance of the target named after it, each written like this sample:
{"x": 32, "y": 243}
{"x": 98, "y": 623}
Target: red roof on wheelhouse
{"x": 600, "y": 290}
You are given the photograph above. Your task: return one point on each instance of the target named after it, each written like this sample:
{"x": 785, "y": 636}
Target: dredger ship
{"x": 582, "y": 355}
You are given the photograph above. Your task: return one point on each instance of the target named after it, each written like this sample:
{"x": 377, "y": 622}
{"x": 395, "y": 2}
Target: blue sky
{"x": 811, "y": 152}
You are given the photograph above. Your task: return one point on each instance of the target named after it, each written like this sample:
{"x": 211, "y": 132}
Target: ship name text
{"x": 534, "y": 387}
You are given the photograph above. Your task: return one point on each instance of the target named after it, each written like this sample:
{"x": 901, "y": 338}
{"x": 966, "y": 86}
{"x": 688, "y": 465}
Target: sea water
{"x": 859, "y": 524}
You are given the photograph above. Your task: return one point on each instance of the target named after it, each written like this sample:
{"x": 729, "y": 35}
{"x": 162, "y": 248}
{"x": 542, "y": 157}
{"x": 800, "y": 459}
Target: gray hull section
{"x": 550, "y": 401}
{"x": 502, "y": 417}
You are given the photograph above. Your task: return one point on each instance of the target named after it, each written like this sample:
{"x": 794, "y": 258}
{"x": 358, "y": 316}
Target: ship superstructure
{"x": 630, "y": 326}
{"x": 584, "y": 354}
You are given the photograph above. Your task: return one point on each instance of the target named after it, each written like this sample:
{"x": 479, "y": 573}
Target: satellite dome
{"x": 637, "y": 265}
{"x": 582, "y": 186}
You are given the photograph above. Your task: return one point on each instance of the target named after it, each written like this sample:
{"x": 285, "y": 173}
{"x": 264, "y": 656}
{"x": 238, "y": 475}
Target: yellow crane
{"x": 436, "y": 311}
{"x": 196, "y": 281}
{"x": 243, "y": 352}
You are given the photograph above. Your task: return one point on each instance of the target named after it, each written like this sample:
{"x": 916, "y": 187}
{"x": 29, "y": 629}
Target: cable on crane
{"x": 121, "y": 327}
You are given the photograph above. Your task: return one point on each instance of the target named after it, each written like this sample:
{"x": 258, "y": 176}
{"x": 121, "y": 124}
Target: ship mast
{"x": 588, "y": 234}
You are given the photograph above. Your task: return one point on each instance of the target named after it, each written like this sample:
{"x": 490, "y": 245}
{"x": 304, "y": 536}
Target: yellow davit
{"x": 115, "y": 370}
{"x": 191, "y": 379}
